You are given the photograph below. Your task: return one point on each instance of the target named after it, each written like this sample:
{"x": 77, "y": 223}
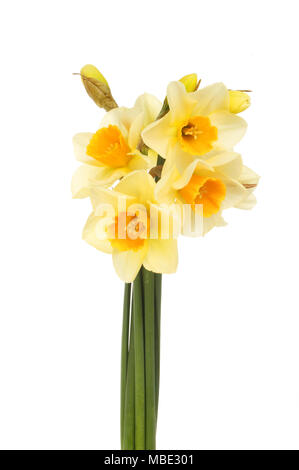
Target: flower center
{"x": 128, "y": 232}
{"x": 109, "y": 147}
{"x": 196, "y": 137}
{"x": 209, "y": 192}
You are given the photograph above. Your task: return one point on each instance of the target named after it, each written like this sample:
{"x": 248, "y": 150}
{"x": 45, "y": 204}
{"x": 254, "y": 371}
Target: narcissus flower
{"x": 197, "y": 123}
{"x": 120, "y": 224}
{"x": 114, "y": 150}
{"x": 152, "y": 173}
{"x": 215, "y": 188}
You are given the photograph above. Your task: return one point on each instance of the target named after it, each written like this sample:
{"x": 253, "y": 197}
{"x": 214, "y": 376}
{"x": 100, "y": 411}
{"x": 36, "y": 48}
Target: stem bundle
{"x": 140, "y": 362}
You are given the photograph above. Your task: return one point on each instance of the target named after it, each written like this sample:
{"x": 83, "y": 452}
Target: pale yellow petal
{"x": 80, "y": 181}
{"x": 90, "y": 232}
{"x": 169, "y": 163}
{"x": 139, "y": 162}
{"x": 100, "y": 196}
{"x": 108, "y": 176}
{"x": 162, "y": 256}
{"x": 150, "y": 106}
{"x": 138, "y": 184}
{"x": 248, "y": 176}
{"x": 182, "y": 160}
{"x": 210, "y": 99}
{"x": 80, "y": 185}
{"x": 184, "y": 179}
{"x": 152, "y": 158}
{"x": 121, "y": 117}
{"x": 128, "y": 263}
{"x": 179, "y": 101}
{"x": 231, "y": 128}
{"x": 87, "y": 177}
{"x": 247, "y": 203}
{"x": 215, "y": 220}
{"x": 228, "y": 163}
{"x": 136, "y": 128}
{"x": 80, "y": 142}
{"x": 164, "y": 190}
{"x": 235, "y": 192}
{"x": 157, "y": 135}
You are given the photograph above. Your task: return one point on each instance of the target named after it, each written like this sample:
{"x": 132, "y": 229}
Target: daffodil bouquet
{"x": 154, "y": 172}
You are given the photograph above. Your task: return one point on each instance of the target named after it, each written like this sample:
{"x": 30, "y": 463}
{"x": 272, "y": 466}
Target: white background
{"x": 230, "y": 313}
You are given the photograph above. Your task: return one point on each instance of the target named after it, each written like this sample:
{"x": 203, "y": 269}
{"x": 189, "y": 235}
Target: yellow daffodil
{"x": 153, "y": 173}
{"x": 134, "y": 246}
{"x": 215, "y": 188}
{"x": 114, "y": 150}
{"x": 197, "y": 124}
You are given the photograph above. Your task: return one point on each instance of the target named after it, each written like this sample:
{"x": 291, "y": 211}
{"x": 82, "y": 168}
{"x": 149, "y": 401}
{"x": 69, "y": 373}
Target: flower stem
{"x": 128, "y": 439}
{"x": 158, "y": 290}
{"x": 124, "y": 354}
{"x": 158, "y": 295}
{"x": 150, "y": 364}
{"x": 139, "y": 363}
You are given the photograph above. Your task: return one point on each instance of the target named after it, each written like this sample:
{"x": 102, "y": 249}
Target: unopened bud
{"x": 238, "y": 101}
{"x": 190, "y": 82}
{"x": 91, "y": 71}
{"x": 97, "y": 87}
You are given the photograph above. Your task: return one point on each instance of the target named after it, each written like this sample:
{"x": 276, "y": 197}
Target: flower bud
{"x": 97, "y": 87}
{"x": 190, "y": 82}
{"x": 90, "y": 71}
{"x": 238, "y": 101}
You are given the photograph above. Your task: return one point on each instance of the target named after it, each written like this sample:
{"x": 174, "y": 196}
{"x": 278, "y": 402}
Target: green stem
{"x": 128, "y": 439}
{"x": 164, "y": 109}
{"x": 158, "y": 291}
{"x": 158, "y": 294}
{"x": 160, "y": 162}
{"x": 124, "y": 354}
{"x": 150, "y": 364}
{"x": 139, "y": 364}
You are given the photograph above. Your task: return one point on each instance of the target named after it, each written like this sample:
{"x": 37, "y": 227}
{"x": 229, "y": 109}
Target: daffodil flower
{"x": 197, "y": 124}
{"x": 152, "y": 173}
{"x": 114, "y": 150}
{"x": 134, "y": 246}
{"x": 227, "y": 185}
